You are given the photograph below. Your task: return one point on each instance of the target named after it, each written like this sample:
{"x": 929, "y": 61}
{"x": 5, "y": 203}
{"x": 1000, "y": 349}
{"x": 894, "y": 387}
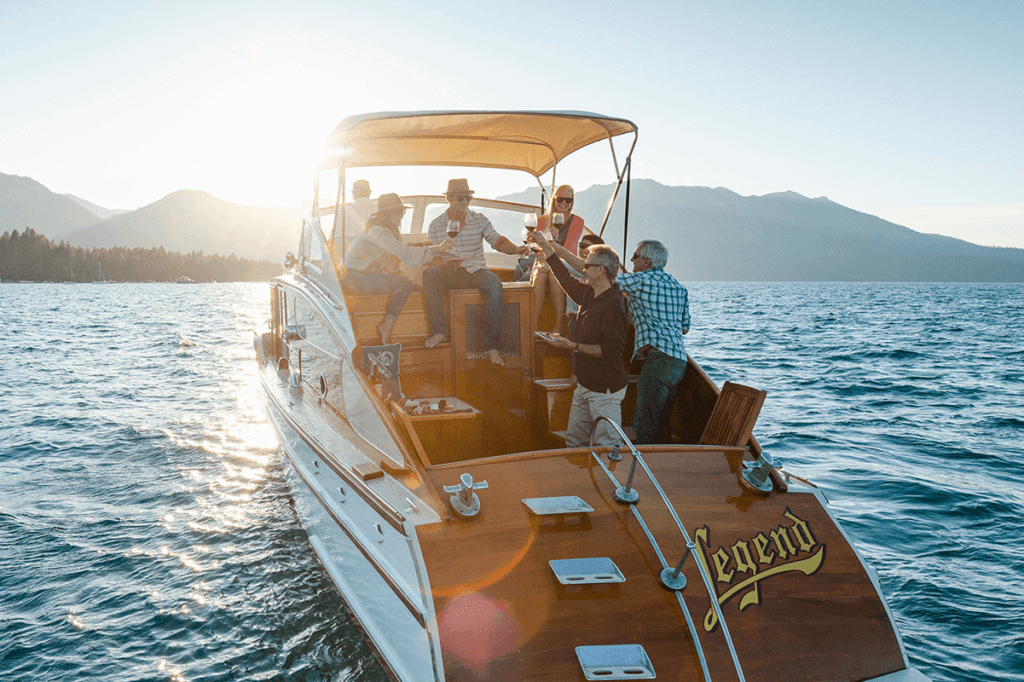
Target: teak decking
{"x": 783, "y": 572}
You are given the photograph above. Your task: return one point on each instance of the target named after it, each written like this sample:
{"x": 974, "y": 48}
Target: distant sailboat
{"x": 101, "y": 280}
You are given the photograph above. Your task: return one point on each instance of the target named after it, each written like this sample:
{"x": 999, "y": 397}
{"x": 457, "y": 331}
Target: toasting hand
{"x": 444, "y": 246}
{"x": 540, "y": 239}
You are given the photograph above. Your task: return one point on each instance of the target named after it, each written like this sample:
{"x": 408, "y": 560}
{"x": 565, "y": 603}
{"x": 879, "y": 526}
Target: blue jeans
{"x": 655, "y": 395}
{"x": 382, "y": 283}
{"x": 437, "y": 280}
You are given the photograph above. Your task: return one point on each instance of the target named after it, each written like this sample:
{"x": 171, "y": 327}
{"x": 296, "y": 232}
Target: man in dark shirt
{"x": 598, "y": 343}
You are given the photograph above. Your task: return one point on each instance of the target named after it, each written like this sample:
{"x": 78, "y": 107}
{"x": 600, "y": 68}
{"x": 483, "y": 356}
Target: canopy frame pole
{"x": 615, "y": 161}
{"x": 543, "y": 194}
{"x": 627, "y": 166}
{"x": 337, "y": 210}
{"x": 625, "y": 219}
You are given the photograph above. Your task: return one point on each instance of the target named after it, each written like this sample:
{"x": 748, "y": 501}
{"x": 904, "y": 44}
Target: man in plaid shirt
{"x": 659, "y": 306}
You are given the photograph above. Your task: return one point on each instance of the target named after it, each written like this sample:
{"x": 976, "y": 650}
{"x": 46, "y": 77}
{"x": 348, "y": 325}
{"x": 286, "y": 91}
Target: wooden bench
{"x": 367, "y": 311}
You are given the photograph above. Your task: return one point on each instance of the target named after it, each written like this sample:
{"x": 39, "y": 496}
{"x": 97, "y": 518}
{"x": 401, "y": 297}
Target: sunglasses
{"x": 461, "y": 198}
{"x": 591, "y": 265}
{"x": 635, "y": 256}
{"x": 563, "y": 200}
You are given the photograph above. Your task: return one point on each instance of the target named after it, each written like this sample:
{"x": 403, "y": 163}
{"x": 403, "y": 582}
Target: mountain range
{"x": 712, "y": 233}
{"x": 715, "y": 234}
{"x": 186, "y": 220}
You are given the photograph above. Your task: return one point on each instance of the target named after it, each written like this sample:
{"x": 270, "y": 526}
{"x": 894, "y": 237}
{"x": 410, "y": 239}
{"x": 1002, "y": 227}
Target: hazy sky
{"x": 913, "y": 111}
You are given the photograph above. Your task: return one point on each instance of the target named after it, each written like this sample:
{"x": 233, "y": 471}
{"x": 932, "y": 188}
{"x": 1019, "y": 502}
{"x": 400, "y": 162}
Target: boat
{"x": 469, "y": 543}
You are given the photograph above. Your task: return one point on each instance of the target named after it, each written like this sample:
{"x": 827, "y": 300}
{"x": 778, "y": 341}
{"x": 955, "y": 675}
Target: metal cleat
{"x": 465, "y": 503}
{"x": 755, "y": 474}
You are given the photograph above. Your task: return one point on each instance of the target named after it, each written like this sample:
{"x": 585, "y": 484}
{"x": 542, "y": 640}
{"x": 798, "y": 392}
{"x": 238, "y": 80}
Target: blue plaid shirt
{"x": 659, "y": 306}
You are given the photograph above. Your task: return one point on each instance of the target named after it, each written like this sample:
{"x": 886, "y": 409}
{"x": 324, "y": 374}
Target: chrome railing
{"x": 670, "y": 577}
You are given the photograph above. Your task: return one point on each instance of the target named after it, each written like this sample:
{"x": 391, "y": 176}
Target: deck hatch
{"x": 615, "y": 662}
{"x": 586, "y": 571}
{"x": 544, "y": 506}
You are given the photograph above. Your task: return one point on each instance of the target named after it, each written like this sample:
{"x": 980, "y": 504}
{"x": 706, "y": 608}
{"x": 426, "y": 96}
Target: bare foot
{"x": 384, "y": 329}
{"x": 435, "y": 340}
{"x": 495, "y": 357}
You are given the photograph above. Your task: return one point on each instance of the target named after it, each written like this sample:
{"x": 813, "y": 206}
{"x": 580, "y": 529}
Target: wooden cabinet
{"x": 450, "y": 436}
{"x": 500, "y": 392}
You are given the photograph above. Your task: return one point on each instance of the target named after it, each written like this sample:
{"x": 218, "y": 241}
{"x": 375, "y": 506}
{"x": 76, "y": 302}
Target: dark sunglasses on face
{"x": 461, "y": 198}
{"x": 635, "y": 256}
{"x": 563, "y": 200}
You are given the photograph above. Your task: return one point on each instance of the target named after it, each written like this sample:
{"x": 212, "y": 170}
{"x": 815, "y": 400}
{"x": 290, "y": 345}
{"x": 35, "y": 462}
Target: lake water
{"x": 146, "y": 531}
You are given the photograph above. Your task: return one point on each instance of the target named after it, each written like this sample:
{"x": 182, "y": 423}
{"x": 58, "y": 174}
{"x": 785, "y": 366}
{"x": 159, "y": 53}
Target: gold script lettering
{"x": 804, "y": 536}
{"x": 721, "y": 566}
{"x": 806, "y": 566}
{"x": 782, "y": 542}
{"x": 741, "y": 553}
{"x": 761, "y": 545}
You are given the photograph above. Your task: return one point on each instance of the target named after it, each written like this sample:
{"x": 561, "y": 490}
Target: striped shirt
{"x": 660, "y": 309}
{"x": 469, "y": 244}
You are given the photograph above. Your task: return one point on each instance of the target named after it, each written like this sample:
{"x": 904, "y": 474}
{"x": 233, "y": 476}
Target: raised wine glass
{"x": 453, "y": 228}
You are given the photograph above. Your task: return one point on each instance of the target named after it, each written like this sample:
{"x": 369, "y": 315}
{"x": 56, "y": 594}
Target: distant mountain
{"x": 190, "y": 220}
{"x": 712, "y": 234}
{"x": 183, "y": 221}
{"x": 102, "y": 213}
{"x": 26, "y": 203}
{"x": 716, "y": 234}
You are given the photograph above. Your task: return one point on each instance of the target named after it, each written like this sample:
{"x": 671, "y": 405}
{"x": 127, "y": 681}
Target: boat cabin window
{"x": 313, "y": 248}
{"x": 317, "y": 258}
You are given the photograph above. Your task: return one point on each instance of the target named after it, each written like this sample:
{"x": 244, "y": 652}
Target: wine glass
{"x": 453, "y": 228}
{"x": 530, "y": 221}
{"x": 558, "y": 219}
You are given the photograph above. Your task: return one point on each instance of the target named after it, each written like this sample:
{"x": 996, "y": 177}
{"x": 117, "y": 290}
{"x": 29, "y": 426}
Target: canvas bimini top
{"x": 529, "y": 141}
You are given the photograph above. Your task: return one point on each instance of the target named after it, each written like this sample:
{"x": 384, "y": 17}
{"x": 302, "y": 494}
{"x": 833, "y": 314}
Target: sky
{"x": 911, "y": 111}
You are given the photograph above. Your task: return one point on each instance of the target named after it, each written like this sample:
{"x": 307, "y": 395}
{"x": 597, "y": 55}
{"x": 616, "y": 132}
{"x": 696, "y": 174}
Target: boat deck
{"x": 503, "y": 614}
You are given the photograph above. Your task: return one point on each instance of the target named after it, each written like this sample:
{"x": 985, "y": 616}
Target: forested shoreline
{"x": 28, "y": 256}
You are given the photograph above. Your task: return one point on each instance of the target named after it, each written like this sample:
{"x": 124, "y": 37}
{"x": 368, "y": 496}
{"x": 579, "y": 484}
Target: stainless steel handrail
{"x": 637, "y": 457}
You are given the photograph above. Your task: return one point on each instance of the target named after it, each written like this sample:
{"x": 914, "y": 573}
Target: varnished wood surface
{"x": 503, "y": 615}
{"x": 450, "y": 437}
{"x": 733, "y": 417}
{"x": 367, "y": 311}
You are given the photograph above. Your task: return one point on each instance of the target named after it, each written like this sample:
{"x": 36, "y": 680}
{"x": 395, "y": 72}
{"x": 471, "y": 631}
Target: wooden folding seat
{"x": 733, "y": 417}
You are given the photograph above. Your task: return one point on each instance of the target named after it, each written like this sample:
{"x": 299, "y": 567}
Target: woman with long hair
{"x": 567, "y": 233}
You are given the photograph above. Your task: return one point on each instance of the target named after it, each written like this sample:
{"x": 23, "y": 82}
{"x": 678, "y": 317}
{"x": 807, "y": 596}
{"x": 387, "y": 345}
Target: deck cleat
{"x": 755, "y": 474}
{"x": 465, "y": 503}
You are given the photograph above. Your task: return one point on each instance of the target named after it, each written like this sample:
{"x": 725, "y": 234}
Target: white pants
{"x": 587, "y": 407}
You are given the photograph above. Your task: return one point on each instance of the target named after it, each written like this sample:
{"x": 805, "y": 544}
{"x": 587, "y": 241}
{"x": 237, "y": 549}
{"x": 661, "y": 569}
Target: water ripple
{"x": 146, "y": 527}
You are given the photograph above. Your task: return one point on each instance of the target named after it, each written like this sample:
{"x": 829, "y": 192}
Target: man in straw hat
{"x": 464, "y": 267}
